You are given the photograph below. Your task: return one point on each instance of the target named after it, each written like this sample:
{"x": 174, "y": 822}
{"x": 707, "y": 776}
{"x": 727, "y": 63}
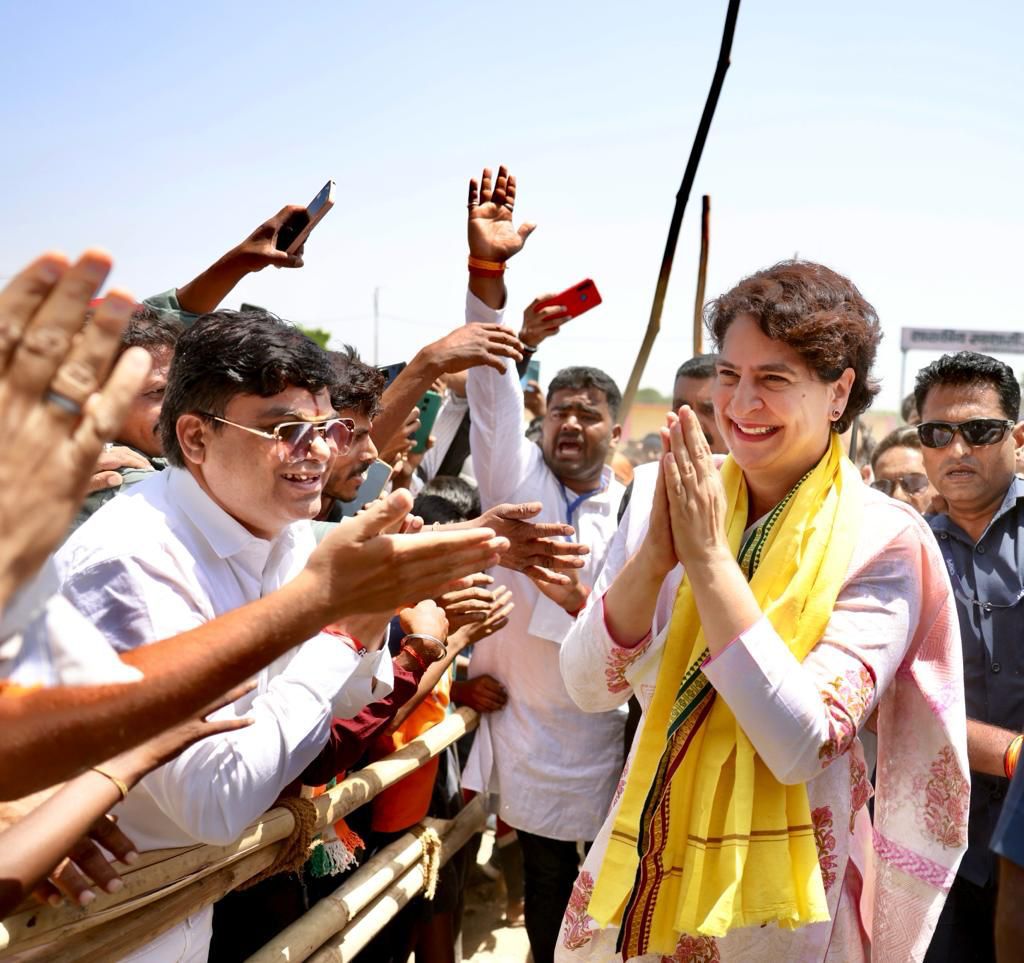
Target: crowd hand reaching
{"x": 107, "y": 475}
{"x": 540, "y": 323}
{"x": 490, "y": 232}
{"x": 360, "y": 568}
{"x": 483, "y": 694}
{"x": 86, "y": 864}
{"x": 59, "y": 400}
{"x": 469, "y": 604}
{"x": 471, "y": 345}
{"x": 538, "y": 549}
{"x": 426, "y": 618}
{"x": 534, "y": 401}
{"x": 206, "y": 291}
{"x": 495, "y": 618}
{"x": 569, "y": 592}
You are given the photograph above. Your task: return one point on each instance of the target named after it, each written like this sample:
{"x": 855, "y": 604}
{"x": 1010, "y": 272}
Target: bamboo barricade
{"x": 344, "y": 922}
{"x": 167, "y": 886}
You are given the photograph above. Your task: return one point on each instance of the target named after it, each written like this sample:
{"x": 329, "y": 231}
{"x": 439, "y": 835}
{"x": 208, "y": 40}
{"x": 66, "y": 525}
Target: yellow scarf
{"x": 706, "y": 839}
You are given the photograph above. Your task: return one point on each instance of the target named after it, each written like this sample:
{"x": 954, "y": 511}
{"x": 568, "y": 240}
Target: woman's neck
{"x": 765, "y": 491}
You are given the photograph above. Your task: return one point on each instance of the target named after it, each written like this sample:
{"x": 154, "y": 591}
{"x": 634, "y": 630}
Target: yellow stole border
{"x": 706, "y": 839}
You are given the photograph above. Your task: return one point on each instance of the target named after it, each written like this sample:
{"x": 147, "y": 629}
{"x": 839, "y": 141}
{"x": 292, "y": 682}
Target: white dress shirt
{"x": 553, "y": 766}
{"x": 165, "y": 558}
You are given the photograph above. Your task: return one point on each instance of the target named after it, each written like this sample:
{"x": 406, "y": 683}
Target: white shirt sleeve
{"x": 502, "y": 454}
{"x": 214, "y": 789}
{"x": 801, "y": 716}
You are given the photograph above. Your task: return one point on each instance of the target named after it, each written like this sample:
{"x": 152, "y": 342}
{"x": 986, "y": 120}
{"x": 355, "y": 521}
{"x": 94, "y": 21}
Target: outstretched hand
{"x": 492, "y": 237}
{"x": 537, "y": 549}
{"x": 59, "y": 400}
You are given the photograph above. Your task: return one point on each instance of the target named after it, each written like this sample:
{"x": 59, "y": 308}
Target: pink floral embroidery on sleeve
{"x": 946, "y": 800}
{"x": 860, "y": 787}
{"x": 695, "y": 949}
{"x": 847, "y": 698}
{"x": 826, "y": 842}
{"x": 618, "y": 661}
{"x": 576, "y": 932}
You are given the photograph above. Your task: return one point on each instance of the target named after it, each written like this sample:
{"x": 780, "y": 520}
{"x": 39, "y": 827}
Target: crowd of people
{"x": 741, "y": 697}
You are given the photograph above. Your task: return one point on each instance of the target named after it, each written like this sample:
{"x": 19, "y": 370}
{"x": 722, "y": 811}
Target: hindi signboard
{"x": 952, "y": 339}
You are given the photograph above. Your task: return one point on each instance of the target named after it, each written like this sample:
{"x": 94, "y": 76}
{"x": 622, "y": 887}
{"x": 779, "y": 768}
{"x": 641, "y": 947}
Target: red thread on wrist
{"x": 1011, "y": 756}
{"x": 419, "y": 659}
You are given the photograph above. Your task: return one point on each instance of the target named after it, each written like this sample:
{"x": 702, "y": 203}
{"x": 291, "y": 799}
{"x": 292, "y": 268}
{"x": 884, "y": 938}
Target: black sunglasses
{"x": 911, "y": 483}
{"x": 977, "y": 431}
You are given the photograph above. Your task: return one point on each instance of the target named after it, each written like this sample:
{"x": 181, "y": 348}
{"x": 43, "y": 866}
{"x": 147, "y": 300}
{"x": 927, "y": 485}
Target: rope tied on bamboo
{"x": 431, "y": 844}
{"x": 296, "y": 848}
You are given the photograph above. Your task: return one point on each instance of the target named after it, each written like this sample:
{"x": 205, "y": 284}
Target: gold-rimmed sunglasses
{"x": 293, "y": 438}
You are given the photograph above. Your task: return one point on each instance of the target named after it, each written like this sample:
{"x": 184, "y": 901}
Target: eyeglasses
{"x": 295, "y": 437}
{"x": 911, "y": 483}
{"x": 977, "y": 431}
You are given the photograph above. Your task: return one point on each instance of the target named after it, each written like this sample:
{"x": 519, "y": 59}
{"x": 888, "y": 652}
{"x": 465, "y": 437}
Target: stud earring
{"x": 835, "y": 414}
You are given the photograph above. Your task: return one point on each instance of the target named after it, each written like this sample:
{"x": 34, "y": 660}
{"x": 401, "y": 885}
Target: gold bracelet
{"x": 122, "y": 786}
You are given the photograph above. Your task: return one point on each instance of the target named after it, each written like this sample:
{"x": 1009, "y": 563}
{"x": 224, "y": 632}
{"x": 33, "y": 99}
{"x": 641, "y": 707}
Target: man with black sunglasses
{"x": 898, "y": 469}
{"x": 969, "y": 405}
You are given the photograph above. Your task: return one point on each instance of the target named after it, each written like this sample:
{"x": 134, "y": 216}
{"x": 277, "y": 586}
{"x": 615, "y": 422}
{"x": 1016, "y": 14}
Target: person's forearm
{"x": 631, "y": 599}
{"x": 725, "y": 603}
{"x": 52, "y": 734}
{"x": 428, "y": 681}
{"x": 986, "y": 747}
{"x": 401, "y": 395}
{"x": 489, "y": 290}
{"x": 32, "y": 847}
{"x": 204, "y": 293}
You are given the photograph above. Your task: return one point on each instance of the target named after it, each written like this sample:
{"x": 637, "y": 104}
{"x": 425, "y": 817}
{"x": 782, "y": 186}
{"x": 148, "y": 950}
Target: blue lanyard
{"x": 571, "y": 506}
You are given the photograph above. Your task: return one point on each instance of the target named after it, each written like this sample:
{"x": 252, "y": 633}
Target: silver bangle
{"x": 429, "y": 638}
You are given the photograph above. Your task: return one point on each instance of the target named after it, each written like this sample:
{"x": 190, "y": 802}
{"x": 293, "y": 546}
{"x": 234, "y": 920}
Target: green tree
{"x": 651, "y": 396}
{"x": 318, "y": 335}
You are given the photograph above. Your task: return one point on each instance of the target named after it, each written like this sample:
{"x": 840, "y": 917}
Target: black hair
{"x": 908, "y": 409}
{"x": 970, "y": 368}
{"x": 701, "y": 366}
{"x": 447, "y": 498}
{"x": 574, "y": 379}
{"x": 359, "y": 386}
{"x": 905, "y": 436}
{"x": 229, "y": 353}
{"x": 151, "y": 330}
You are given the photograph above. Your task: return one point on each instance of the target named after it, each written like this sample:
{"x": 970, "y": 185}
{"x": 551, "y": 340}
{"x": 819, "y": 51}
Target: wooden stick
{"x": 167, "y": 871}
{"x": 654, "y": 324}
{"x": 702, "y": 275}
{"x": 333, "y": 913}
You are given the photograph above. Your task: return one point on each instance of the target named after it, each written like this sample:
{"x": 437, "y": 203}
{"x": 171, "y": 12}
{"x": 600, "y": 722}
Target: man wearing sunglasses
{"x": 898, "y": 469}
{"x": 969, "y": 405}
{"x": 249, "y": 432}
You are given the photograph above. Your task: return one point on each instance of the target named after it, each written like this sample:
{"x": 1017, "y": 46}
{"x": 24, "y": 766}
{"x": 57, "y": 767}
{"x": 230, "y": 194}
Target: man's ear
{"x": 192, "y": 431}
{"x": 616, "y": 435}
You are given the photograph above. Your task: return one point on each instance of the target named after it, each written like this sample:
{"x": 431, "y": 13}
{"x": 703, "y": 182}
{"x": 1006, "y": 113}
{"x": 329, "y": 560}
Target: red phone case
{"x": 577, "y": 299}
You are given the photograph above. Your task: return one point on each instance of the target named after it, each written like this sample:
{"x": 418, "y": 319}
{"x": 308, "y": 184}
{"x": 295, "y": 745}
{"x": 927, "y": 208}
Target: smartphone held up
{"x": 576, "y": 300}
{"x": 297, "y": 228}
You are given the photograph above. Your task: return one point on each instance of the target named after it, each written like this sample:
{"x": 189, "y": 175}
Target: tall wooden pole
{"x": 702, "y": 275}
{"x": 654, "y": 324}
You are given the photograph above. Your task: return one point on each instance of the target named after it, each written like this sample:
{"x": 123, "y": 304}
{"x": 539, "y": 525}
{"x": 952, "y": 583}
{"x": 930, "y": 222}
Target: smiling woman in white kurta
{"x": 740, "y": 830}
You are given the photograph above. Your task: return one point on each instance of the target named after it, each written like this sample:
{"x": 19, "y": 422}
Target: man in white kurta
{"x": 227, "y": 523}
{"x": 552, "y": 767}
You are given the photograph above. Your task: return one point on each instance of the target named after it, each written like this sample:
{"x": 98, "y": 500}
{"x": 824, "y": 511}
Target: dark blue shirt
{"x": 988, "y": 582}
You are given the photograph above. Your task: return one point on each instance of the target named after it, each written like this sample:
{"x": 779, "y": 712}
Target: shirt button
{"x": 943, "y": 536}
{"x": 997, "y": 794}
{"x": 997, "y": 668}
{"x": 981, "y": 549}
{"x": 987, "y": 606}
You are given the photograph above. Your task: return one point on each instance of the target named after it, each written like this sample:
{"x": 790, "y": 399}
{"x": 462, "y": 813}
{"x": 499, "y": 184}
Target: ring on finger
{"x": 71, "y": 406}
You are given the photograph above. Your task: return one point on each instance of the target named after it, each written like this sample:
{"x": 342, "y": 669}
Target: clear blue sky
{"x": 883, "y": 139}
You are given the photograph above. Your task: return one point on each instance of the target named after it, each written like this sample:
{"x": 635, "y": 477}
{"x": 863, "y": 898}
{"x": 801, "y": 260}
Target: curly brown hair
{"x": 820, "y": 314}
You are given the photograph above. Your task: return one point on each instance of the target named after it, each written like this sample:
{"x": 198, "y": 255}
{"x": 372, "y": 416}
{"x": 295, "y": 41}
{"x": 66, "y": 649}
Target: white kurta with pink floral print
{"x": 890, "y": 653}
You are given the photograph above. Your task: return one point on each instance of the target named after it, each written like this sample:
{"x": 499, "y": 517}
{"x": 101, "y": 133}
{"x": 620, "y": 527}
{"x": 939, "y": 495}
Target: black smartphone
{"x": 293, "y": 233}
{"x": 391, "y": 371}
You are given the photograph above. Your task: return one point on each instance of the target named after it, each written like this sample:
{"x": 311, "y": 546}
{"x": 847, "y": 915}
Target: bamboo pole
{"x": 334, "y": 913}
{"x": 702, "y": 275}
{"x": 167, "y": 871}
{"x": 654, "y": 323}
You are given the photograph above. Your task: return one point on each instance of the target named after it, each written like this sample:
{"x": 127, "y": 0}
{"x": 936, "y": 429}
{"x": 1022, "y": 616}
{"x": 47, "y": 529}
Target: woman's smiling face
{"x": 773, "y": 411}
